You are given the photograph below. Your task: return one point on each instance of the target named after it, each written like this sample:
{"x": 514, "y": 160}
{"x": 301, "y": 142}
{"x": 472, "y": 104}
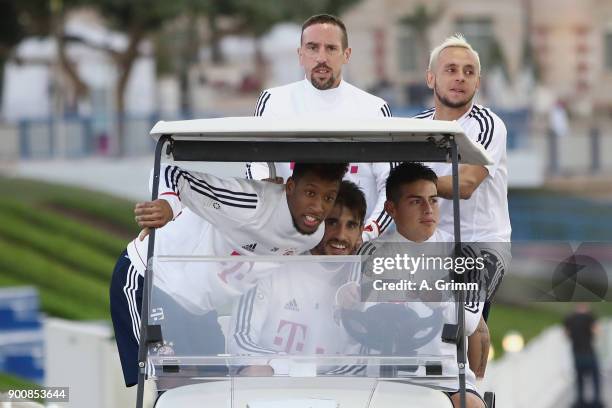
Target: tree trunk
{"x": 260, "y": 62}
{"x": 79, "y": 87}
{"x": 423, "y": 51}
{"x": 187, "y": 58}
{"x": 215, "y": 39}
{"x": 124, "y": 62}
{"x": 2, "y": 65}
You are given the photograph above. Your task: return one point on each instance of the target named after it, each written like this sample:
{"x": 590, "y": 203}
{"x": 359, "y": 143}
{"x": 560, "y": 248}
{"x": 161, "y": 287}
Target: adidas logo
{"x": 292, "y": 305}
{"x": 250, "y": 247}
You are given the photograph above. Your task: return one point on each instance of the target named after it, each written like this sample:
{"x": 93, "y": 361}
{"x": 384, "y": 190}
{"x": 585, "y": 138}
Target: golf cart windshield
{"x": 292, "y": 316}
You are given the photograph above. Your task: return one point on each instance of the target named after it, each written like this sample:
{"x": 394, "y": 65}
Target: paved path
{"x": 127, "y": 178}
{"x": 606, "y": 389}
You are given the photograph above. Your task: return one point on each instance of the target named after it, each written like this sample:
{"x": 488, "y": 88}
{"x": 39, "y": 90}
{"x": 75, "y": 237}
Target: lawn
{"x": 64, "y": 241}
{"x": 10, "y": 382}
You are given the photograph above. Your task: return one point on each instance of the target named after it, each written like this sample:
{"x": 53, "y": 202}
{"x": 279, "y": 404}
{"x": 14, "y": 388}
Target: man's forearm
{"x": 470, "y": 177}
{"x": 478, "y": 349}
{"x": 445, "y": 188}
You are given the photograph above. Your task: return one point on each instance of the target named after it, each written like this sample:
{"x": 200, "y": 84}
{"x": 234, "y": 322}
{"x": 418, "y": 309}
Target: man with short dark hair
{"x": 330, "y": 78}
{"x": 415, "y": 215}
{"x": 224, "y": 217}
{"x": 412, "y": 202}
{"x": 292, "y": 310}
{"x": 324, "y": 94}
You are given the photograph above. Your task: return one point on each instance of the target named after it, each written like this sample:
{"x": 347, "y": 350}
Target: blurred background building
{"x": 86, "y": 78}
{"x": 525, "y": 48}
{"x": 83, "y": 81}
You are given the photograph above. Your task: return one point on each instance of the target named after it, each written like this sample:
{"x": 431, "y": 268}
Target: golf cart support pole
{"x": 148, "y": 282}
{"x": 460, "y": 295}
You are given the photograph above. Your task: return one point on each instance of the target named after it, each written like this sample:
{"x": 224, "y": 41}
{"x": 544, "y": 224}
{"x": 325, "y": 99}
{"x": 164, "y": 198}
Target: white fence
{"x": 542, "y": 374}
{"x": 84, "y": 357}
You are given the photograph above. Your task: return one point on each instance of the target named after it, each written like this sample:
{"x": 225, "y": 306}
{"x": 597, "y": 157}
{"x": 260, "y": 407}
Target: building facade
{"x": 565, "y": 45}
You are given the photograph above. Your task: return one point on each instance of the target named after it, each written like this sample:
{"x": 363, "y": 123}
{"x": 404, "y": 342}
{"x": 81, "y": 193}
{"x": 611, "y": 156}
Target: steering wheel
{"x": 392, "y": 329}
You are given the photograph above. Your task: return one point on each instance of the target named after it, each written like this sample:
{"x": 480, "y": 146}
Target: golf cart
{"x": 387, "y": 354}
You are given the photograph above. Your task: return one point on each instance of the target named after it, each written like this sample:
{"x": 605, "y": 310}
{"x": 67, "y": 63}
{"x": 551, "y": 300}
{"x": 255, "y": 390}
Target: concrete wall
{"x": 84, "y": 357}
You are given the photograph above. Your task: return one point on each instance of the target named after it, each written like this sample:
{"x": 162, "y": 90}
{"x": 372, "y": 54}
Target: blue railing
{"x": 21, "y": 333}
{"x": 557, "y": 217}
{"x": 88, "y": 136}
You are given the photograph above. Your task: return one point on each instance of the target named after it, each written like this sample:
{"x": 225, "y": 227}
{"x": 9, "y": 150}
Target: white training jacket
{"x": 484, "y": 216}
{"x": 291, "y": 311}
{"x": 225, "y": 217}
{"x": 304, "y": 100}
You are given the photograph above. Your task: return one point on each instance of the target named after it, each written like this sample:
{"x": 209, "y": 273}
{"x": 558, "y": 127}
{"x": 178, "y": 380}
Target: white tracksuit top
{"x": 301, "y": 99}
{"x": 484, "y": 216}
{"x": 291, "y": 311}
{"x": 224, "y": 217}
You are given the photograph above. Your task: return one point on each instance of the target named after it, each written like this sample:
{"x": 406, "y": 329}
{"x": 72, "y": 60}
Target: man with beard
{"x": 454, "y": 77}
{"x": 292, "y": 310}
{"x": 323, "y": 93}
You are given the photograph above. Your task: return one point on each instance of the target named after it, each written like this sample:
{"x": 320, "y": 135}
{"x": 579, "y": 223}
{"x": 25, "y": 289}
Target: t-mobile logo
{"x": 290, "y": 334}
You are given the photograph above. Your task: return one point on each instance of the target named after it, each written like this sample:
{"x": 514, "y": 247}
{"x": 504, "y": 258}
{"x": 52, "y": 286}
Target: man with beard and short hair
{"x": 323, "y": 93}
{"x": 454, "y": 77}
{"x": 292, "y": 310}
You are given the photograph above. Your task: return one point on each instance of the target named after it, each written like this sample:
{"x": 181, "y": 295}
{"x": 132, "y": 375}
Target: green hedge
{"x": 39, "y": 270}
{"x": 70, "y": 252}
{"x": 102, "y": 240}
{"x": 64, "y": 241}
{"x": 104, "y": 207}
{"x": 118, "y": 214}
{"x": 56, "y": 304}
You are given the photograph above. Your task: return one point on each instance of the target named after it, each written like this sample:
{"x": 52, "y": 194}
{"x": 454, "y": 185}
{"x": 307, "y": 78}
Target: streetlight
{"x": 513, "y": 342}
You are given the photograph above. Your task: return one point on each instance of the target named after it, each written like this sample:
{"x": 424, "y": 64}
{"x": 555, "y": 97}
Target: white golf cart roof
{"x": 385, "y": 130}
